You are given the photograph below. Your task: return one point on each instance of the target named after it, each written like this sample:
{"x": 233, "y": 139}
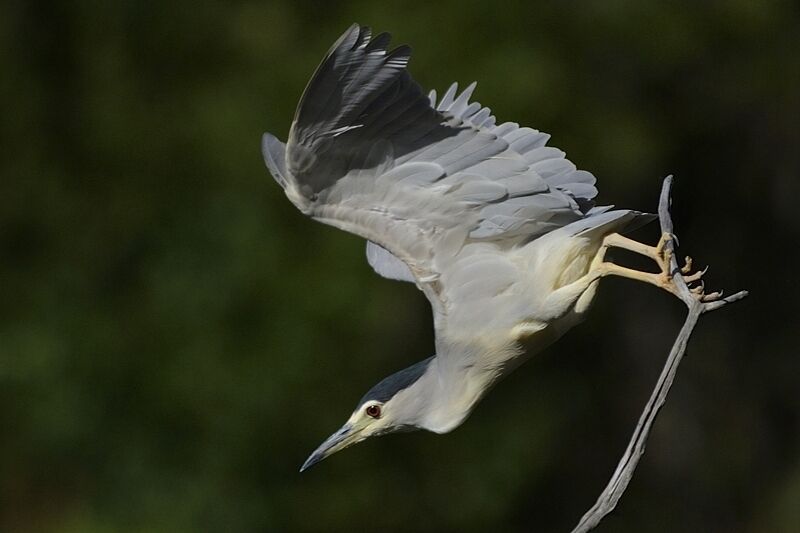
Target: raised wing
{"x": 369, "y": 153}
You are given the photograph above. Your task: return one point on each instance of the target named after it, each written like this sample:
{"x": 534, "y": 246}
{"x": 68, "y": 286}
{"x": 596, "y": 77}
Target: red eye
{"x": 374, "y": 411}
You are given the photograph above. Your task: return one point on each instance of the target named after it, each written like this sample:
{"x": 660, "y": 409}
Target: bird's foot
{"x": 692, "y": 278}
{"x": 661, "y": 253}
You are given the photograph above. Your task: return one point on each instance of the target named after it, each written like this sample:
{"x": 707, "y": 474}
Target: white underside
{"x": 550, "y": 295}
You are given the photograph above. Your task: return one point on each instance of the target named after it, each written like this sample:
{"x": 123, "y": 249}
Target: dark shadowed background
{"x": 175, "y": 337}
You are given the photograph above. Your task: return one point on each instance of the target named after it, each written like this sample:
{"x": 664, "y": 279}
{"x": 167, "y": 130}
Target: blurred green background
{"x": 175, "y": 338}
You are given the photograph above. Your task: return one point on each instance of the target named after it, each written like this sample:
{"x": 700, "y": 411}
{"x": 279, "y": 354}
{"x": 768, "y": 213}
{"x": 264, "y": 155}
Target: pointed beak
{"x": 340, "y": 440}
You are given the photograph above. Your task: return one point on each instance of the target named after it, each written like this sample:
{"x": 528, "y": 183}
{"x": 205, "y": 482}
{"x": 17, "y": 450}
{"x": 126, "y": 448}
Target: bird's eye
{"x": 374, "y": 411}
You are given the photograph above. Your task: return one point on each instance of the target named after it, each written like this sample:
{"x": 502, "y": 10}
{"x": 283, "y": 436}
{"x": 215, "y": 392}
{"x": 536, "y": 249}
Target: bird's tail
{"x": 604, "y": 221}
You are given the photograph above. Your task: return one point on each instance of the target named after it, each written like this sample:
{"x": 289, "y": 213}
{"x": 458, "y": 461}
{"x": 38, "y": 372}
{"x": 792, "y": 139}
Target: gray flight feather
{"x": 274, "y": 152}
{"x": 387, "y": 265}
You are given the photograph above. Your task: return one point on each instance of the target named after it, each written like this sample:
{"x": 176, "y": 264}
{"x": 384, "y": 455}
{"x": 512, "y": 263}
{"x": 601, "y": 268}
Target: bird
{"x": 498, "y": 229}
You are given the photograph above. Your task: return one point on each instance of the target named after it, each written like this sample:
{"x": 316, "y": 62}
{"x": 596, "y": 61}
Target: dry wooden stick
{"x": 697, "y": 305}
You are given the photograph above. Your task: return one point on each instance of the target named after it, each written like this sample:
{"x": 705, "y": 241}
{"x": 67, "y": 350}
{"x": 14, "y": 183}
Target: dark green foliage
{"x": 175, "y": 338}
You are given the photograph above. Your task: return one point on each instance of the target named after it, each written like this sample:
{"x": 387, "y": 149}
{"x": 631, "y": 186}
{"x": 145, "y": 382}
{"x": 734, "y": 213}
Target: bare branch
{"x": 608, "y": 499}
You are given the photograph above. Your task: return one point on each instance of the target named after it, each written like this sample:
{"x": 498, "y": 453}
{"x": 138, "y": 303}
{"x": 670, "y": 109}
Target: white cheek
{"x": 376, "y": 426}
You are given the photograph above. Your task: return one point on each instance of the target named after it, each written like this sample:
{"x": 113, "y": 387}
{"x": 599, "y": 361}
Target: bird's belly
{"x": 553, "y": 264}
{"x": 536, "y": 339}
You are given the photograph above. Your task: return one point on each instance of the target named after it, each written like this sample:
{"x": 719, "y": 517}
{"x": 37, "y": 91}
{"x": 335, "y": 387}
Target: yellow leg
{"x": 661, "y": 280}
{"x": 658, "y": 253}
{"x": 600, "y": 268}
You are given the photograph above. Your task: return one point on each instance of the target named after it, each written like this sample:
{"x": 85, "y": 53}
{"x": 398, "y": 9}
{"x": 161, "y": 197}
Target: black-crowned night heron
{"x": 497, "y": 229}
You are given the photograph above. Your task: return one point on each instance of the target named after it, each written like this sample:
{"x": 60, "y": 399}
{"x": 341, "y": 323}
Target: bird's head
{"x": 394, "y": 404}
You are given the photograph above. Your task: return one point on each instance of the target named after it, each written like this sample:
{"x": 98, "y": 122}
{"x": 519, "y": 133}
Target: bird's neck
{"x": 456, "y": 381}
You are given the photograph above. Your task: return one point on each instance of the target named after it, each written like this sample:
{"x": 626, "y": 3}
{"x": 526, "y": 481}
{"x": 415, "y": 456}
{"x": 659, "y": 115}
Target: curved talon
{"x": 712, "y": 296}
{"x": 696, "y": 276}
{"x": 687, "y": 267}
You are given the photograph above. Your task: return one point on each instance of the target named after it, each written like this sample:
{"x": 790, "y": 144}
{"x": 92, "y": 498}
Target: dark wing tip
{"x": 379, "y": 42}
{"x": 350, "y": 37}
{"x": 399, "y": 56}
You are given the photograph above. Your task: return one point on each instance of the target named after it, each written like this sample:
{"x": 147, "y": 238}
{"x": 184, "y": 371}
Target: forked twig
{"x": 608, "y": 499}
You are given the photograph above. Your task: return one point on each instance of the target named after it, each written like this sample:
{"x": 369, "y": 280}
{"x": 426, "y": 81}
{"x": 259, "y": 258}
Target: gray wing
{"x": 369, "y": 153}
{"x": 387, "y": 265}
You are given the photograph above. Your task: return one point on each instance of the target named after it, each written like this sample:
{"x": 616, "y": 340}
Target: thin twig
{"x": 608, "y": 499}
